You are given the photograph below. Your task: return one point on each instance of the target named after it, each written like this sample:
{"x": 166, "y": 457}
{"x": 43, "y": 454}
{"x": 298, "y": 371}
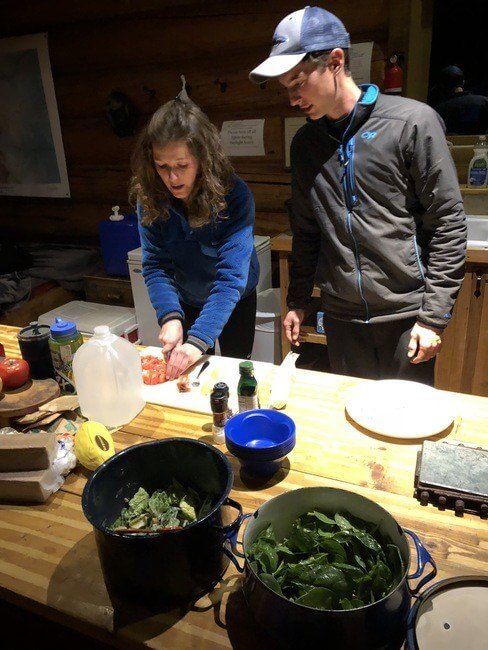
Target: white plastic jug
{"x": 108, "y": 377}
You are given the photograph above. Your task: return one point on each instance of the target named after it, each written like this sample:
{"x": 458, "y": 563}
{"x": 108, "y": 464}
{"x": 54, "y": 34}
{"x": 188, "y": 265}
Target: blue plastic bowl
{"x": 260, "y": 439}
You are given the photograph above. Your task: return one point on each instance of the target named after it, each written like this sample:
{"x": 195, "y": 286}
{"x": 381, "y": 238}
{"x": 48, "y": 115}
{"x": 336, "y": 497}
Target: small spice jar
{"x": 219, "y": 404}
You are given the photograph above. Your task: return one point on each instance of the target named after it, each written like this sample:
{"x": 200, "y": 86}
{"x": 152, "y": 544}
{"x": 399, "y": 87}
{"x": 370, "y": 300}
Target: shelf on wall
{"x": 474, "y": 190}
{"x": 310, "y": 335}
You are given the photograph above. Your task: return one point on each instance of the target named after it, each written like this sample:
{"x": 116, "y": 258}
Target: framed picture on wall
{"x": 32, "y": 161}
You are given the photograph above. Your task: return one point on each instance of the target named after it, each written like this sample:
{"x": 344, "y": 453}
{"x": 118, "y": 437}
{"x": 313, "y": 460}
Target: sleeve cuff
{"x": 431, "y": 323}
{"x": 198, "y": 343}
{"x": 303, "y": 304}
{"x": 172, "y": 315}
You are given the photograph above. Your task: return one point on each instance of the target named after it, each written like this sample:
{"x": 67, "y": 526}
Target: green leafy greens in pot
{"x": 174, "y": 507}
{"x": 327, "y": 563}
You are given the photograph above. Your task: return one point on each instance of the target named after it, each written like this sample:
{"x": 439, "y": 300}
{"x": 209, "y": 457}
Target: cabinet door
{"x": 450, "y": 361}
{"x": 108, "y": 291}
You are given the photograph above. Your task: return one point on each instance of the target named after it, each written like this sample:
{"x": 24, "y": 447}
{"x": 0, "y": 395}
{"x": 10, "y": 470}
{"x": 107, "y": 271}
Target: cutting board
{"x": 198, "y": 399}
{"x": 28, "y": 398}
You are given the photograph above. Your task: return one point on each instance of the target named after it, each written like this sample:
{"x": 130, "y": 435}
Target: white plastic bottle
{"x": 478, "y": 167}
{"x": 108, "y": 376}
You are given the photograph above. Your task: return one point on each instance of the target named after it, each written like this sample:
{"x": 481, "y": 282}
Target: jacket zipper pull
{"x": 340, "y": 155}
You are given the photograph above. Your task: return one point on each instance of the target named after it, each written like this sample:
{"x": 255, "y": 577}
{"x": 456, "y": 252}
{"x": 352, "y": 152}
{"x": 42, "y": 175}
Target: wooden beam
{"x": 419, "y": 46}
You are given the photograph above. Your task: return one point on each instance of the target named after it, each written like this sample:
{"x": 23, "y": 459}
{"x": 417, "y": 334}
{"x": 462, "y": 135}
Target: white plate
{"x": 400, "y": 409}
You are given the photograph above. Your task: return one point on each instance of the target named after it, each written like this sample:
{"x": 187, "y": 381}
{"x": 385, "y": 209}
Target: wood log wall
{"x": 141, "y": 47}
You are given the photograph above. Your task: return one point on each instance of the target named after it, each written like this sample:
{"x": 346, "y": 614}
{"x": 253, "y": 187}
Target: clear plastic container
{"x": 108, "y": 376}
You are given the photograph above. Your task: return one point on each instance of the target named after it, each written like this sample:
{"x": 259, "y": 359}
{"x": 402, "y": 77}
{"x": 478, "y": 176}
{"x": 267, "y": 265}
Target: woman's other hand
{"x": 171, "y": 336}
{"x": 182, "y": 357}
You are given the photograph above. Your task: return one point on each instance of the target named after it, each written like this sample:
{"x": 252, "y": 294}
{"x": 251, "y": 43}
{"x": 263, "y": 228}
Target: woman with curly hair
{"x": 196, "y": 220}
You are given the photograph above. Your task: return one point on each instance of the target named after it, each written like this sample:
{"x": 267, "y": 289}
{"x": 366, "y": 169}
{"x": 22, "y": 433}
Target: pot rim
{"x": 157, "y": 534}
{"x": 334, "y": 611}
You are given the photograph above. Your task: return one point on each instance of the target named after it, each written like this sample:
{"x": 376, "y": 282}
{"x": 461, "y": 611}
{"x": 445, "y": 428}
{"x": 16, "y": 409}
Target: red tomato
{"x": 14, "y": 373}
{"x": 153, "y": 370}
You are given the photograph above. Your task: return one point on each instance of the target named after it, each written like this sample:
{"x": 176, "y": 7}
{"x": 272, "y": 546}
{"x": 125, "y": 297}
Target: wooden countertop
{"x": 48, "y": 559}
{"x": 282, "y": 244}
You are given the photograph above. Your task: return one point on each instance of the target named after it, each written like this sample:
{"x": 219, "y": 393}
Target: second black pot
{"x": 381, "y": 625}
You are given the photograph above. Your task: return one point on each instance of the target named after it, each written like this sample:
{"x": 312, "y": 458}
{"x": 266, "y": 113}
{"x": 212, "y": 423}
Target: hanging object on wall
{"x": 221, "y": 84}
{"x": 185, "y": 89}
{"x": 393, "y": 77}
{"x": 32, "y": 160}
{"x": 120, "y": 114}
{"x": 150, "y": 92}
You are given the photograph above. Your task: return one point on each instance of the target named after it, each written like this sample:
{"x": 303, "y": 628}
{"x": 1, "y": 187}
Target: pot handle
{"x": 231, "y": 553}
{"x": 423, "y": 558}
{"x": 232, "y": 528}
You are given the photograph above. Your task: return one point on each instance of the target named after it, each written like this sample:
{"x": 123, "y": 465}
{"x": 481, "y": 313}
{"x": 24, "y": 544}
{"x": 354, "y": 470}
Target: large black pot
{"x": 380, "y": 625}
{"x": 175, "y": 566}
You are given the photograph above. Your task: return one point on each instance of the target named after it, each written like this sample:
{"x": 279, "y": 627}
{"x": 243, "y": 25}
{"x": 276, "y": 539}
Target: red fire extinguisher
{"x": 393, "y": 77}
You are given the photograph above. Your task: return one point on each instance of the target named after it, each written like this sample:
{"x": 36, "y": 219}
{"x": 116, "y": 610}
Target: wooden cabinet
{"x": 108, "y": 290}
{"x": 462, "y": 364}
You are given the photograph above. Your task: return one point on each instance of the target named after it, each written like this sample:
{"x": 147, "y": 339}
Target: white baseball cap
{"x": 311, "y": 29}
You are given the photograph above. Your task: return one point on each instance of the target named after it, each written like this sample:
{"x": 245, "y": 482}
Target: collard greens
{"x": 171, "y": 508}
{"x": 327, "y": 563}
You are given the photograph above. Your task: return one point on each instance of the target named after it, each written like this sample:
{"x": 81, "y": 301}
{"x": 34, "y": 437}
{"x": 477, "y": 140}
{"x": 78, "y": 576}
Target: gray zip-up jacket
{"x": 377, "y": 218}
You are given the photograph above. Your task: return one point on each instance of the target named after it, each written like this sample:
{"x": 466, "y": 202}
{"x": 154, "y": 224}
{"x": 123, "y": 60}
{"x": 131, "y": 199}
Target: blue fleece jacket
{"x": 211, "y": 267}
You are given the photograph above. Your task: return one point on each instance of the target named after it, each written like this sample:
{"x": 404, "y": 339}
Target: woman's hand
{"x": 425, "y": 343}
{"x": 171, "y": 336}
{"x": 182, "y": 357}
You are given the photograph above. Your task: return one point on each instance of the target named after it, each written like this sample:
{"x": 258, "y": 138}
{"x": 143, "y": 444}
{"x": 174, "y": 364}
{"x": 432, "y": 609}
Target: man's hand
{"x": 171, "y": 335}
{"x": 425, "y": 343}
{"x": 182, "y": 357}
{"x": 292, "y": 323}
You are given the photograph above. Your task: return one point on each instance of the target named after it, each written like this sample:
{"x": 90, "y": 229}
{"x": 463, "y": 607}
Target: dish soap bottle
{"x": 108, "y": 375}
{"x": 478, "y": 167}
{"x": 247, "y": 388}
{"x": 63, "y": 344}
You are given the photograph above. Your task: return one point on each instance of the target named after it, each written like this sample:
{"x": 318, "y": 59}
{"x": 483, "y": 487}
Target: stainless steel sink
{"x": 477, "y": 231}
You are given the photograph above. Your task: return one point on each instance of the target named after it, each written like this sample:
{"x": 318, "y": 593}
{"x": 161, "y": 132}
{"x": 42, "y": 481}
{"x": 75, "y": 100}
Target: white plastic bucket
{"x": 267, "y": 340}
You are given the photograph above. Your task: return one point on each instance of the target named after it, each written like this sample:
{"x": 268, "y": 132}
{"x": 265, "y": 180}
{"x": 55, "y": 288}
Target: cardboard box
{"x": 31, "y": 487}
{"x": 27, "y": 451}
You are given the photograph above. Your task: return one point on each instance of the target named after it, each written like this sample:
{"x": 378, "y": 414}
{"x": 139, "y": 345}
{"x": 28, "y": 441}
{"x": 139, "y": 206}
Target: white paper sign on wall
{"x": 243, "y": 137}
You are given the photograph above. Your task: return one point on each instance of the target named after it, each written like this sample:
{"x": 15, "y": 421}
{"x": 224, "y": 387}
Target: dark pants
{"x": 237, "y": 337}
{"x": 374, "y": 351}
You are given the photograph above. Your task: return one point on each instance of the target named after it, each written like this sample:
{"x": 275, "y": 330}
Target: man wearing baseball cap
{"x": 376, "y": 212}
